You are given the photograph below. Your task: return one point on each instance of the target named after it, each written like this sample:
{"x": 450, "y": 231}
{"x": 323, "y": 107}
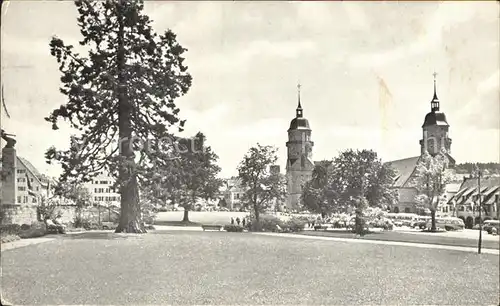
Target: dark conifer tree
{"x": 120, "y": 97}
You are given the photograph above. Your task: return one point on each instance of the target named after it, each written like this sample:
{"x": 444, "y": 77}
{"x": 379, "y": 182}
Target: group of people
{"x": 238, "y": 221}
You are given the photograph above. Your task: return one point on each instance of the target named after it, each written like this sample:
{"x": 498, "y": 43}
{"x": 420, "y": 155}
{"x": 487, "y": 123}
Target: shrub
{"x": 293, "y": 225}
{"x": 25, "y": 227}
{"x": 81, "y": 221}
{"x": 150, "y": 227}
{"x": 37, "y": 229}
{"x": 266, "y": 223}
{"x": 10, "y": 229}
{"x": 233, "y": 228}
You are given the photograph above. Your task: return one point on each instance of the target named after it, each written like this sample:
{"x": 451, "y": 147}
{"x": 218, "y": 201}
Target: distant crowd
{"x": 243, "y": 221}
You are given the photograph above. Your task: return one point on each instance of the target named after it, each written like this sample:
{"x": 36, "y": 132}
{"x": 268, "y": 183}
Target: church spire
{"x": 299, "y": 107}
{"x": 435, "y": 100}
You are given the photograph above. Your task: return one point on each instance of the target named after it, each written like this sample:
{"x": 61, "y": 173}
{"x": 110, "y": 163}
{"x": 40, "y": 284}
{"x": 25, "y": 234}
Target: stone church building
{"x": 435, "y": 137}
{"x": 299, "y": 164}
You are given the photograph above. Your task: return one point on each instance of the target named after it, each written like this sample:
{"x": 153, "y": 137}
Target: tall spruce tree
{"x": 120, "y": 97}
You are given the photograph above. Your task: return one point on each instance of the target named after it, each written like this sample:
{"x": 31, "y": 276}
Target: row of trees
{"x": 356, "y": 179}
{"x": 349, "y": 180}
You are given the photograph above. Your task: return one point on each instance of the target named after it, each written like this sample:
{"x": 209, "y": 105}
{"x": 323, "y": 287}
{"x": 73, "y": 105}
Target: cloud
{"x": 479, "y": 103}
{"x": 447, "y": 15}
{"x": 357, "y": 16}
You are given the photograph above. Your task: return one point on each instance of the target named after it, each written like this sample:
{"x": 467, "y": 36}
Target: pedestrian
{"x": 238, "y": 220}
{"x": 244, "y": 222}
{"x": 232, "y": 221}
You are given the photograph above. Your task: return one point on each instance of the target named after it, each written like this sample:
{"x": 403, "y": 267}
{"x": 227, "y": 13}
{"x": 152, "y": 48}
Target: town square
{"x": 220, "y": 153}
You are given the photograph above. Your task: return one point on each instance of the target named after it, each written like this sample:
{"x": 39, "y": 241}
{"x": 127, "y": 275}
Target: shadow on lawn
{"x": 177, "y": 223}
{"x": 102, "y": 235}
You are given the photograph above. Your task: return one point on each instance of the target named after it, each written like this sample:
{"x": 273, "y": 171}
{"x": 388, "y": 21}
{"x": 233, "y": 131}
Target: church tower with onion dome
{"x": 299, "y": 165}
{"x": 435, "y": 129}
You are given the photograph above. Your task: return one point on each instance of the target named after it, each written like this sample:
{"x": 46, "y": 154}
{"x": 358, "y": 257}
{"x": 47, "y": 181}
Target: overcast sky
{"x": 365, "y": 69}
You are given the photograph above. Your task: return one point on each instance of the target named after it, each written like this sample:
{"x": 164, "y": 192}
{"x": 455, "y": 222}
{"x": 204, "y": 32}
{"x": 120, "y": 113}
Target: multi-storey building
{"x": 102, "y": 191}
{"x": 23, "y": 188}
{"x": 232, "y": 193}
{"x": 465, "y": 203}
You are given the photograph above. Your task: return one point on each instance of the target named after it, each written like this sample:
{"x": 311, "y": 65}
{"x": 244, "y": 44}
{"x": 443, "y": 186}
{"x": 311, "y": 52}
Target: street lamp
{"x": 480, "y": 208}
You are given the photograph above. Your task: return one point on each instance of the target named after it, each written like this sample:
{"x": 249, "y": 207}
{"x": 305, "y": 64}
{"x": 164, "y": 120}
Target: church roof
{"x": 299, "y": 123}
{"x": 404, "y": 169}
{"x": 435, "y": 118}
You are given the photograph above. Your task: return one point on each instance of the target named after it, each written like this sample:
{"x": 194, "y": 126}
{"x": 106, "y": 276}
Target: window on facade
{"x": 407, "y": 210}
{"x": 103, "y": 182}
{"x": 21, "y": 188}
{"x": 25, "y": 199}
{"x": 237, "y": 195}
{"x": 96, "y": 199}
{"x": 461, "y": 208}
{"x": 37, "y": 188}
{"x": 31, "y": 179}
{"x": 33, "y": 200}
{"x": 21, "y": 170}
{"x": 19, "y": 199}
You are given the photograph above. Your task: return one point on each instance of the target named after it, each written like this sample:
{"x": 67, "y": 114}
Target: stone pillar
{"x": 9, "y": 176}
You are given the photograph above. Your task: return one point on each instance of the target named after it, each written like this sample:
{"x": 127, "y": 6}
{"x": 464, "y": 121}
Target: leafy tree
{"x": 189, "y": 173}
{"x": 319, "y": 194}
{"x": 263, "y": 187}
{"x": 123, "y": 91}
{"x": 432, "y": 175}
{"x": 363, "y": 175}
{"x": 351, "y": 178}
{"x": 67, "y": 191}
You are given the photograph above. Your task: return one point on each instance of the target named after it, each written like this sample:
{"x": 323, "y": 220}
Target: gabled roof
{"x": 31, "y": 169}
{"x": 472, "y": 182}
{"x": 404, "y": 169}
{"x": 469, "y": 187}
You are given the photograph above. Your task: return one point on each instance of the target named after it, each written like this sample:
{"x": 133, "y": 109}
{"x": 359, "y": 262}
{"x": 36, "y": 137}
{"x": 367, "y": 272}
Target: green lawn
{"x": 241, "y": 268}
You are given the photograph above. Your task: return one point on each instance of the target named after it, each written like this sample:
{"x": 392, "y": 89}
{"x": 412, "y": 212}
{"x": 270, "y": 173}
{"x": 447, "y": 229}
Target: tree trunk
{"x": 130, "y": 213}
{"x": 433, "y": 220}
{"x": 186, "y": 215}
{"x": 257, "y": 218}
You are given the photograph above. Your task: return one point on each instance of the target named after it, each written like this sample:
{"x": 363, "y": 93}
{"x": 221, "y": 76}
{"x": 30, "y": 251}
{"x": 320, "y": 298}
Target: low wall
{"x": 94, "y": 214}
{"x": 27, "y": 214}
{"x": 19, "y": 214}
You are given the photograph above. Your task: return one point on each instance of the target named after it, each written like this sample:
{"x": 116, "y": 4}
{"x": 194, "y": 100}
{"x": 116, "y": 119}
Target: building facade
{"x": 299, "y": 164}
{"x": 465, "y": 203}
{"x": 232, "y": 194}
{"x": 23, "y": 188}
{"x": 102, "y": 191}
